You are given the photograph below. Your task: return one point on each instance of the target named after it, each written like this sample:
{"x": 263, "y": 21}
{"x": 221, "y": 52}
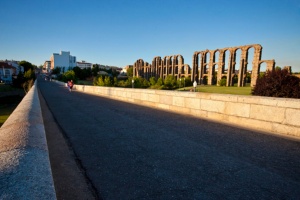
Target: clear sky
{"x": 118, "y": 32}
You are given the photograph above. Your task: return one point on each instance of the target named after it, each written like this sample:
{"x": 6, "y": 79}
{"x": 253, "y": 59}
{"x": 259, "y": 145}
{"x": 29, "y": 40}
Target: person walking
{"x": 70, "y": 85}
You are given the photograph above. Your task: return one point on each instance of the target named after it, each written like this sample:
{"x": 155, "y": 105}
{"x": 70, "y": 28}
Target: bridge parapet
{"x": 277, "y": 115}
{"x": 25, "y": 171}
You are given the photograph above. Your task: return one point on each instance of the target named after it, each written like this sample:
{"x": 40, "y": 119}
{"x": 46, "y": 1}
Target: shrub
{"x": 101, "y": 80}
{"x": 69, "y": 75}
{"x": 222, "y": 82}
{"x": 152, "y": 81}
{"x": 277, "y": 83}
{"x": 27, "y": 85}
{"x": 170, "y": 82}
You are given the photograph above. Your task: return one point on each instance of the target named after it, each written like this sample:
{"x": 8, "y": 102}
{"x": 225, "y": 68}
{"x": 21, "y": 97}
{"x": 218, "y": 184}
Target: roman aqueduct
{"x": 208, "y": 65}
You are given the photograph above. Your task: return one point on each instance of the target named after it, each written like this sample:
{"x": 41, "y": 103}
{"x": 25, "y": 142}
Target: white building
{"x": 84, "y": 64}
{"x": 63, "y": 60}
{"x": 47, "y": 67}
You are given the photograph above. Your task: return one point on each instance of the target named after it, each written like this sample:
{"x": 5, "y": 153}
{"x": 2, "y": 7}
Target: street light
{"x": 183, "y": 83}
{"x": 132, "y": 83}
{"x": 180, "y": 83}
{"x": 195, "y": 85}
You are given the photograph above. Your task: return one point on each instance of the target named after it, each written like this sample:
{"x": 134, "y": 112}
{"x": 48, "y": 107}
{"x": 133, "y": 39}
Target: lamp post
{"x": 132, "y": 83}
{"x": 195, "y": 85}
{"x": 180, "y": 83}
{"x": 184, "y": 83}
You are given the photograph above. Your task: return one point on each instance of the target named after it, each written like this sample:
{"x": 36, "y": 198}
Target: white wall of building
{"x": 63, "y": 60}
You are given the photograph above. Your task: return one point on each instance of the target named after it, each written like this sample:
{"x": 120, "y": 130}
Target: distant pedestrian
{"x": 70, "y": 85}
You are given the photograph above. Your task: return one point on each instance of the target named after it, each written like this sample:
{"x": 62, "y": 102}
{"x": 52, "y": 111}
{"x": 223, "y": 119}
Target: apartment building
{"x": 63, "y": 60}
{"x": 47, "y": 67}
{"x": 84, "y": 64}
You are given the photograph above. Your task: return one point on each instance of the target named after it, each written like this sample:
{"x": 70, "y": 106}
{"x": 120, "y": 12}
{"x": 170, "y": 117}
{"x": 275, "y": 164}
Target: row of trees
{"x": 169, "y": 83}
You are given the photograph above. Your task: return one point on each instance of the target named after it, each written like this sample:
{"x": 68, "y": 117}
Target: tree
{"x": 152, "y": 81}
{"x": 277, "y": 83}
{"x": 95, "y": 69}
{"x": 107, "y": 81}
{"x": 29, "y": 74}
{"x": 56, "y": 70}
{"x": 170, "y": 82}
{"x": 78, "y": 72}
{"x": 69, "y": 75}
{"x": 26, "y": 65}
{"x": 159, "y": 82}
{"x": 130, "y": 72}
{"x": 98, "y": 81}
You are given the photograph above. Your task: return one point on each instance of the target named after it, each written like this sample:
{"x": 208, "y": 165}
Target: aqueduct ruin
{"x": 207, "y": 66}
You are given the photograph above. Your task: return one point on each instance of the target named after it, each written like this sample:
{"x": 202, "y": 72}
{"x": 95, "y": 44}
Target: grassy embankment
{"x": 9, "y": 99}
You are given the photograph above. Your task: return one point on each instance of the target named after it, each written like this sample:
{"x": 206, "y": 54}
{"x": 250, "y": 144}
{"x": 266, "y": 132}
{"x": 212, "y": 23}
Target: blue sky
{"x": 118, "y": 32}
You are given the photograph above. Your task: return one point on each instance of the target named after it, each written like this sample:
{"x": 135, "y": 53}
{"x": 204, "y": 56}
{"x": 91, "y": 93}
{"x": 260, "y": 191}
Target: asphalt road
{"x": 132, "y": 152}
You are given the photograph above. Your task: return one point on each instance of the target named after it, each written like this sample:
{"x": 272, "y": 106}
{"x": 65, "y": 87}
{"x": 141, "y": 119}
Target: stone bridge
{"x": 149, "y": 144}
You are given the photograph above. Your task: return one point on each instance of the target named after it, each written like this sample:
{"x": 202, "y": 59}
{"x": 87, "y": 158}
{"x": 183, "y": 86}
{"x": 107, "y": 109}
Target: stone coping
{"x": 25, "y": 171}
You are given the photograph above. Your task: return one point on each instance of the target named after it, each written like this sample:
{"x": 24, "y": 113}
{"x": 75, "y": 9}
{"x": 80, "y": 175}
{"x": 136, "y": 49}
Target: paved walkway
{"x": 128, "y": 151}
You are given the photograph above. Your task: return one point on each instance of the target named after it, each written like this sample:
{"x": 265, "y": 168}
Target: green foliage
{"x": 124, "y": 83}
{"x": 27, "y": 85}
{"x": 222, "y": 82}
{"x": 27, "y": 65}
{"x": 277, "y": 83}
{"x": 101, "y": 80}
{"x": 69, "y": 75}
{"x": 170, "y": 82}
{"x": 248, "y": 78}
{"x": 235, "y": 79}
{"x": 82, "y": 74}
{"x": 29, "y": 74}
{"x": 98, "y": 81}
{"x": 152, "y": 81}
{"x": 115, "y": 82}
{"x": 95, "y": 70}
{"x": 159, "y": 82}
{"x": 25, "y": 80}
{"x": 107, "y": 81}
{"x": 130, "y": 72}
{"x": 56, "y": 70}
{"x": 188, "y": 81}
{"x": 140, "y": 82}
{"x": 17, "y": 82}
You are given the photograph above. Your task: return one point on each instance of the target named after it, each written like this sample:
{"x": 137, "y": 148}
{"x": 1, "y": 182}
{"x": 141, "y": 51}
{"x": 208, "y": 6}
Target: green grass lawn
{"x": 221, "y": 89}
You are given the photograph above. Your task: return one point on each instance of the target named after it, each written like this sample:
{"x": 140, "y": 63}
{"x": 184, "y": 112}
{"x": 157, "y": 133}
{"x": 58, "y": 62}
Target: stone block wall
{"x": 276, "y": 115}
